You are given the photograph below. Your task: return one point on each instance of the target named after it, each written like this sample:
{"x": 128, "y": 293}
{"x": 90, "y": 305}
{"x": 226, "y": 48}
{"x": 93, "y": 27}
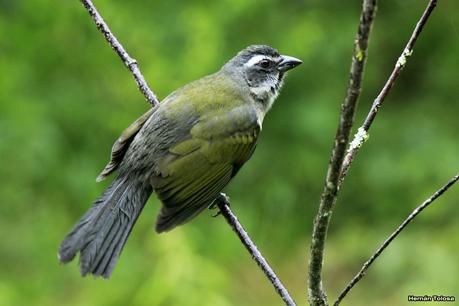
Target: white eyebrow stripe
{"x": 256, "y": 59}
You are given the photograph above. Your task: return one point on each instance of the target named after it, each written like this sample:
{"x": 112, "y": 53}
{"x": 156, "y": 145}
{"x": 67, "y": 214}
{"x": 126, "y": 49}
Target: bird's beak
{"x": 288, "y": 62}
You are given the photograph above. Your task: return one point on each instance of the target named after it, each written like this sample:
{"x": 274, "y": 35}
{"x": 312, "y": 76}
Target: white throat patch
{"x": 267, "y": 92}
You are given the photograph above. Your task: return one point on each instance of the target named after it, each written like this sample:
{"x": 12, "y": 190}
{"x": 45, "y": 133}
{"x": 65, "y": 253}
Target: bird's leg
{"x": 222, "y": 199}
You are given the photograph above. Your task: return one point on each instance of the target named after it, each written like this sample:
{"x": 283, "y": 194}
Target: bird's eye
{"x": 264, "y": 63}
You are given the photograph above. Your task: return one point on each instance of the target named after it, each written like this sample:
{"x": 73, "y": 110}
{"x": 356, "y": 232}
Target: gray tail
{"x": 101, "y": 233}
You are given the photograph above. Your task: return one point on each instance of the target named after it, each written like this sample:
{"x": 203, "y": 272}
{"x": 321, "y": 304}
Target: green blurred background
{"x": 65, "y": 97}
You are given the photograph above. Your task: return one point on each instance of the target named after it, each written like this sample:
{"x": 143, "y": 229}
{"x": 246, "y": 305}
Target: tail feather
{"x": 75, "y": 240}
{"x": 100, "y": 266}
{"x": 101, "y": 233}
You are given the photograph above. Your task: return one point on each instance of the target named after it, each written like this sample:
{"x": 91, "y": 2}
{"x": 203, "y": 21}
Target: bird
{"x": 185, "y": 150}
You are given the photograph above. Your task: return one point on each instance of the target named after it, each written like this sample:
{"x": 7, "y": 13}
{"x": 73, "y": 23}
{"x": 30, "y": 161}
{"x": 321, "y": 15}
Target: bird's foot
{"x": 222, "y": 198}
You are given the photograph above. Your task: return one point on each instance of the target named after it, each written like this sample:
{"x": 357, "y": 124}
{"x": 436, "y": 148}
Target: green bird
{"x": 186, "y": 150}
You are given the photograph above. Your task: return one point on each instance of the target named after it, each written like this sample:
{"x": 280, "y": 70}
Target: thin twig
{"x": 223, "y": 204}
{"x": 127, "y": 60}
{"x": 316, "y": 292}
{"x": 222, "y": 201}
{"x": 415, "y": 212}
{"x": 362, "y": 133}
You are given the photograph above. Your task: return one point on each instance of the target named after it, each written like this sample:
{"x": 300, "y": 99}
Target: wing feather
{"x": 121, "y": 145}
{"x": 195, "y": 178}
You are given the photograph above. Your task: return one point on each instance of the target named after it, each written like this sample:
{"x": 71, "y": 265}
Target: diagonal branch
{"x": 362, "y": 133}
{"x": 410, "y": 218}
{"x": 316, "y": 292}
{"x": 125, "y": 57}
{"x": 335, "y": 176}
{"x": 223, "y": 204}
{"x": 222, "y": 201}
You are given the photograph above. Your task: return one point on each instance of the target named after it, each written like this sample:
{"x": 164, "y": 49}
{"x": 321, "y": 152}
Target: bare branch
{"x": 413, "y": 215}
{"x": 362, "y": 133}
{"x": 222, "y": 201}
{"x": 223, "y": 204}
{"x": 316, "y": 292}
{"x": 338, "y": 167}
{"x": 127, "y": 60}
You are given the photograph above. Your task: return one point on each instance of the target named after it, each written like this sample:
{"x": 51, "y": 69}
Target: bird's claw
{"x": 214, "y": 205}
{"x": 218, "y": 213}
{"x": 222, "y": 198}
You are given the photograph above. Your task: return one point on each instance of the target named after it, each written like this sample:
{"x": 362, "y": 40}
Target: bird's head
{"x": 263, "y": 70}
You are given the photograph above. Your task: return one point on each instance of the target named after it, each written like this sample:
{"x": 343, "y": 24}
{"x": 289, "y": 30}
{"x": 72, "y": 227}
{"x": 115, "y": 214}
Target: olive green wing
{"x": 198, "y": 168}
{"x": 122, "y": 144}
